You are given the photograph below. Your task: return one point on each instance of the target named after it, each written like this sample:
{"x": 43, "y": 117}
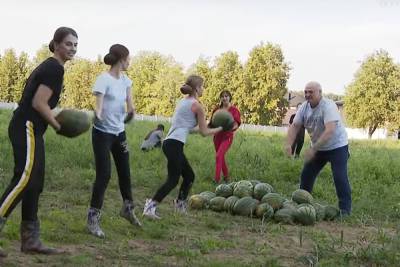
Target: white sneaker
{"x": 180, "y": 206}
{"x": 150, "y": 210}
{"x": 93, "y": 223}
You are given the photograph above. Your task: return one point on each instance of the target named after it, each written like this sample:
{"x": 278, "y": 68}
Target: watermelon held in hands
{"x": 73, "y": 122}
{"x": 222, "y": 118}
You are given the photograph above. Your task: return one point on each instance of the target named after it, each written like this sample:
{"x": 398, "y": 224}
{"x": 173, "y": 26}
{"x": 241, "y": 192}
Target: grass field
{"x": 370, "y": 237}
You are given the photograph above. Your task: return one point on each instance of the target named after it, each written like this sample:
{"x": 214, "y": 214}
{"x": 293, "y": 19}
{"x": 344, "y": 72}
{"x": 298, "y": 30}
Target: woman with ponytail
{"x": 114, "y": 108}
{"x": 188, "y": 113}
{"x": 28, "y": 124}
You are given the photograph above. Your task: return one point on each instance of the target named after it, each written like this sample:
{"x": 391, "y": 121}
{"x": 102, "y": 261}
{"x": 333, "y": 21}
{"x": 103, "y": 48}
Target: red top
{"x": 236, "y": 116}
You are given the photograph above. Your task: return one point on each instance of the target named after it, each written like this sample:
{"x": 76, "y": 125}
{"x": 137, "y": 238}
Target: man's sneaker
{"x": 149, "y": 210}
{"x": 93, "y": 223}
{"x": 180, "y": 206}
{"x": 227, "y": 180}
{"x": 127, "y": 212}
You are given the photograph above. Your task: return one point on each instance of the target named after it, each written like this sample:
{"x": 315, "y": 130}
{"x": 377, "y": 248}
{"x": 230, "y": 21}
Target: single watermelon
{"x": 73, "y": 122}
{"x": 261, "y": 189}
{"x": 302, "y": 196}
{"x": 217, "y": 204}
{"x": 223, "y": 190}
{"x": 306, "y": 215}
{"x": 273, "y": 199}
{"x": 265, "y": 211}
{"x": 197, "y": 202}
{"x": 287, "y": 216}
{"x": 230, "y": 203}
{"x": 207, "y": 195}
{"x": 245, "y": 206}
{"x": 243, "y": 189}
{"x": 222, "y": 118}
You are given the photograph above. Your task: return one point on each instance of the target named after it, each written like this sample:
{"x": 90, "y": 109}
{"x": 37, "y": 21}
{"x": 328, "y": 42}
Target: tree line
{"x": 259, "y": 85}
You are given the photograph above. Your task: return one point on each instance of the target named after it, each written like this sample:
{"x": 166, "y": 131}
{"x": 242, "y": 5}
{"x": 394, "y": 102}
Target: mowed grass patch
{"x": 206, "y": 238}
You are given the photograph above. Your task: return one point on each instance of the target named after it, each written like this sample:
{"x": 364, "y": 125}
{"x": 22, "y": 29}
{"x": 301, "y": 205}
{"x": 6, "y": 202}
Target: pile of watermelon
{"x": 258, "y": 199}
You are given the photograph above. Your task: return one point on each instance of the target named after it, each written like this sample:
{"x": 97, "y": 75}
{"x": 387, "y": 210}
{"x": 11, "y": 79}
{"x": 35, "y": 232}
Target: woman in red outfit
{"x": 224, "y": 139}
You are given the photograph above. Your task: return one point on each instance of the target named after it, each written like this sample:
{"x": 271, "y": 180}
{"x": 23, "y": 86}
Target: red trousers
{"x": 221, "y": 144}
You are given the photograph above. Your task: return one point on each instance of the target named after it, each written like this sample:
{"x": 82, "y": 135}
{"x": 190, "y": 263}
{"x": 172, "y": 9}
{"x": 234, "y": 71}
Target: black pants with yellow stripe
{"x": 28, "y": 179}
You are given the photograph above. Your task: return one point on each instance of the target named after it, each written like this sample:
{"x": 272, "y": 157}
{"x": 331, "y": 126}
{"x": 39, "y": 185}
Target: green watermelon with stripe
{"x": 217, "y": 204}
{"x": 222, "y": 118}
{"x": 302, "y": 196}
{"x": 73, "y": 122}
{"x": 306, "y": 215}
{"x": 243, "y": 189}
{"x": 245, "y": 206}
{"x": 286, "y": 216}
{"x": 273, "y": 199}
{"x": 264, "y": 211}
{"x": 197, "y": 202}
{"x": 261, "y": 189}
{"x": 223, "y": 190}
{"x": 230, "y": 203}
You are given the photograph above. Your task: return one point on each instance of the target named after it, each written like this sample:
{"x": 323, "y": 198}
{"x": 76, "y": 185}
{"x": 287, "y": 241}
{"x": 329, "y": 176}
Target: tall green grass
{"x": 204, "y": 238}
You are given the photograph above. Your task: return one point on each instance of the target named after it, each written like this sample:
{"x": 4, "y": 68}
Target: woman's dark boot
{"x": 30, "y": 239}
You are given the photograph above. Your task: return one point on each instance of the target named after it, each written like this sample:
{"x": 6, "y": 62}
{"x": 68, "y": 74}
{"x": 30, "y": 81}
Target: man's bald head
{"x": 313, "y": 93}
{"x": 314, "y": 85}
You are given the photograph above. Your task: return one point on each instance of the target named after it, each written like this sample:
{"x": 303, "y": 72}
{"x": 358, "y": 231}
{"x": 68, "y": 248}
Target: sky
{"x": 324, "y": 41}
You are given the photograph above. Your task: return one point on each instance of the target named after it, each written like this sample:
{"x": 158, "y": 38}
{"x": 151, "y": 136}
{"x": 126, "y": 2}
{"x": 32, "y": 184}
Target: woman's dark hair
{"x": 59, "y": 36}
{"x": 225, "y": 92}
{"x": 116, "y": 53}
{"x": 192, "y": 82}
{"x": 160, "y": 127}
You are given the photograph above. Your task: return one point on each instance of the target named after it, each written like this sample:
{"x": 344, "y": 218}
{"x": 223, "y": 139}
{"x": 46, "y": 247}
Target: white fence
{"x": 352, "y": 133}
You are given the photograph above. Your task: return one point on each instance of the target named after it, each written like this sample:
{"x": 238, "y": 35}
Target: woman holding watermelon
{"x": 26, "y": 130}
{"x": 223, "y": 140}
{"x": 188, "y": 113}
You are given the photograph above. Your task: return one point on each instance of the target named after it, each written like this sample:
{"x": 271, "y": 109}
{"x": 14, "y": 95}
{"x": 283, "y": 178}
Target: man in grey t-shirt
{"x": 323, "y": 123}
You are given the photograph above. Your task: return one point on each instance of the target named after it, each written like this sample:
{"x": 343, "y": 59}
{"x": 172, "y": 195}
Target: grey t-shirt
{"x": 113, "y": 111}
{"x": 314, "y": 119}
{"x": 183, "y": 121}
{"x": 154, "y": 138}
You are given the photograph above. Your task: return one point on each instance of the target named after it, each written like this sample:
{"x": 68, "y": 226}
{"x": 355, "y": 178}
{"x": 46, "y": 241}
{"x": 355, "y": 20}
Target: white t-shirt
{"x": 114, "y": 110}
{"x": 314, "y": 119}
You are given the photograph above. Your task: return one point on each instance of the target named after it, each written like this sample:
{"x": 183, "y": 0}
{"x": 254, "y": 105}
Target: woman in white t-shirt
{"x": 114, "y": 107}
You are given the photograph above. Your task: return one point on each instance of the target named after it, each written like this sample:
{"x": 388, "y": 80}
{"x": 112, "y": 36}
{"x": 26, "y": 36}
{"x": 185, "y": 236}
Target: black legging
{"x": 29, "y": 159}
{"x": 177, "y": 165}
{"x": 103, "y": 143}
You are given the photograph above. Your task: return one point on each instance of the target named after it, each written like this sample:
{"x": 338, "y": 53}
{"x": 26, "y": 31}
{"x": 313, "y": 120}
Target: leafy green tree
{"x": 227, "y": 74}
{"x": 80, "y": 75}
{"x": 202, "y": 67}
{"x": 262, "y": 98}
{"x": 167, "y": 90}
{"x": 13, "y": 74}
{"x": 157, "y": 79}
{"x": 371, "y": 100}
{"x": 42, "y": 54}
